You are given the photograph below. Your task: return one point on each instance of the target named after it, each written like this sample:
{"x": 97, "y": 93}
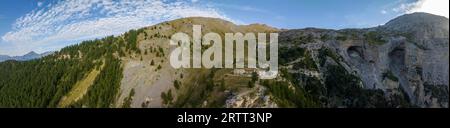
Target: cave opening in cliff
{"x": 397, "y": 56}
{"x": 355, "y": 52}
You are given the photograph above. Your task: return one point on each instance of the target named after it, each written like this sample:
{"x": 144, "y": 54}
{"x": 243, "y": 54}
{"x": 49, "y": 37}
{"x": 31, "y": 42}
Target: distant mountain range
{"x": 29, "y": 56}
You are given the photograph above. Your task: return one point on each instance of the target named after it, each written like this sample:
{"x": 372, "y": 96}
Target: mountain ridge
{"x": 29, "y": 56}
{"x": 372, "y": 67}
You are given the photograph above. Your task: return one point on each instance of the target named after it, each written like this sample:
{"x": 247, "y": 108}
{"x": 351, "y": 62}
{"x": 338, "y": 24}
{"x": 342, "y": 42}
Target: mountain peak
{"x": 418, "y": 17}
{"x": 29, "y": 56}
{"x": 421, "y": 24}
{"x": 32, "y": 53}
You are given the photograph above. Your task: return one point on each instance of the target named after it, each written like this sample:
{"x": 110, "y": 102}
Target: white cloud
{"x": 437, "y": 7}
{"x": 68, "y": 22}
{"x": 39, "y": 4}
{"x": 244, "y": 8}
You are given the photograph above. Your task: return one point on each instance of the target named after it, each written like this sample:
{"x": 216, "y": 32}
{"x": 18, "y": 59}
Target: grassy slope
{"x": 79, "y": 89}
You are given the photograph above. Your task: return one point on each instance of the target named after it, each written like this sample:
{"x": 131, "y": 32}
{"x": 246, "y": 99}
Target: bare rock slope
{"x": 409, "y": 55}
{"x": 407, "y": 59}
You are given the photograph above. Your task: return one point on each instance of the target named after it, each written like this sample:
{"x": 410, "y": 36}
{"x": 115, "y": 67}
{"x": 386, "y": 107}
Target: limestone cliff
{"x": 409, "y": 54}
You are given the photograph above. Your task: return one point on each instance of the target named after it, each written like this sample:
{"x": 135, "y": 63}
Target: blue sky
{"x": 48, "y": 25}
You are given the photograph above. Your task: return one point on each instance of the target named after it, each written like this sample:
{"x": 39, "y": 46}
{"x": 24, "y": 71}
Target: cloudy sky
{"x": 48, "y": 25}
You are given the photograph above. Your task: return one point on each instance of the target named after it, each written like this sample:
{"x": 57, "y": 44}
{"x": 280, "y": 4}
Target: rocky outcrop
{"x": 410, "y": 53}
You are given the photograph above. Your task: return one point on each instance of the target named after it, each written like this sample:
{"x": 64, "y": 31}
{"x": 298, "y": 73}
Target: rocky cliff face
{"x": 401, "y": 64}
{"x": 423, "y": 70}
{"x": 409, "y": 55}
